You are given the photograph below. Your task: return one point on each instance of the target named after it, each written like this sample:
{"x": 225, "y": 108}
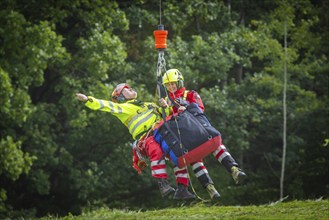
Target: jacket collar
{"x": 178, "y": 93}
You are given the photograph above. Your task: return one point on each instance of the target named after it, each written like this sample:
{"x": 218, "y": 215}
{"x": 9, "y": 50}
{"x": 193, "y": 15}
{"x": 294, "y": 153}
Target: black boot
{"x": 214, "y": 195}
{"x": 238, "y": 175}
{"x": 183, "y": 193}
{"x": 165, "y": 188}
{"x": 208, "y": 184}
{"x": 232, "y": 167}
{"x": 228, "y": 162}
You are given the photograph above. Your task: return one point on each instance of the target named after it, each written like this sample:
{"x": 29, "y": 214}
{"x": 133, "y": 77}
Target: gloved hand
{"x": 138, "y": 164}
{"x": 181, "y": 102}
{"x": 163, "y": 103}
{"x": 181, "y": 108}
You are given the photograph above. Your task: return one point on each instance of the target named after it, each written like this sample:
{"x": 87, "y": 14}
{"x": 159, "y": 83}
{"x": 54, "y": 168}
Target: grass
{"x": 313, "y": 210}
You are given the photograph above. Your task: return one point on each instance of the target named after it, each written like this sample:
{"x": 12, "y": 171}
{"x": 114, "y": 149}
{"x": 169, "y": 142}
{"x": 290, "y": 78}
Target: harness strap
{"x": 142, "y": 139}
{"x": 175, "y": 103}
{"x": 176, "y": 139}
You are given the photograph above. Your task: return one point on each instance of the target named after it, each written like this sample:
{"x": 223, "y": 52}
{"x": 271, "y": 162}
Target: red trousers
{"x": 154, "y": 152}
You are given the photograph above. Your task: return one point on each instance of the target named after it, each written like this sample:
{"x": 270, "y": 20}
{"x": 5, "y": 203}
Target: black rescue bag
{"x": 187, "y": 137}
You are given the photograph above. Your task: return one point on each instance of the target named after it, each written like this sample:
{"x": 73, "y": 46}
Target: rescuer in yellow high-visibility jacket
{"x": 138, "y": 117}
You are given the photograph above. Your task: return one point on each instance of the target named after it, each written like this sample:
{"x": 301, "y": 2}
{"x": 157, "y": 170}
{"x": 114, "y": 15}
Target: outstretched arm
{"x": 99, "y": 104}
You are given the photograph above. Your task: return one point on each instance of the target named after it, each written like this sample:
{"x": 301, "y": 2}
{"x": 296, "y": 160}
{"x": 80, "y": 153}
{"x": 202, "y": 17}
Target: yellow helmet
{"x": 173, "y": 75}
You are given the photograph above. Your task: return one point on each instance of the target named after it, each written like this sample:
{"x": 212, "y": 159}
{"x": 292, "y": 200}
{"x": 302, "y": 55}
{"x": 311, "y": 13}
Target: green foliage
{"x": 13, "y": 160}
{"x": 28, "y": 49}
{"x": 193, "y": 60}
{"x": 100, "y": 53}
{"x": 6, "y": 92}
{"x": 3, "y": 198}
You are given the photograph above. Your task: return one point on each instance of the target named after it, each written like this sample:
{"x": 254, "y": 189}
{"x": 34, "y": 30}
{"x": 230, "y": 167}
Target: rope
{"x": 160, "y": 13}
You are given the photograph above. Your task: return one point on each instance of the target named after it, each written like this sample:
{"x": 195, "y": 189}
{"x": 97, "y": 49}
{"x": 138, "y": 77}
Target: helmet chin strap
{"x": 121, "y": 98}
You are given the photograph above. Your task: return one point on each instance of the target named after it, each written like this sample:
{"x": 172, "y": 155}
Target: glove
{"x": 138, "y": 164}
{"x": 182, "y": 102}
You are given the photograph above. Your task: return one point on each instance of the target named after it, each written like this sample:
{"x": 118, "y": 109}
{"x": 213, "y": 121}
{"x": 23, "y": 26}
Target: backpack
{"x": 187, "y": 137}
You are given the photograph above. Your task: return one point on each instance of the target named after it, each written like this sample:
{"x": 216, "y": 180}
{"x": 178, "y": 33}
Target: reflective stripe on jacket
{"x": 137, "y": 118}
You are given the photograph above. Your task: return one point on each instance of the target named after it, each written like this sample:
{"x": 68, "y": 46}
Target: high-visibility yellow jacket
{"x": 137, "y": 116}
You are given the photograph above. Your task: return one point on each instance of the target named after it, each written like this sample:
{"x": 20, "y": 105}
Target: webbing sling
{"x": 171, "y": 131}
{"x": 174, "y": 135}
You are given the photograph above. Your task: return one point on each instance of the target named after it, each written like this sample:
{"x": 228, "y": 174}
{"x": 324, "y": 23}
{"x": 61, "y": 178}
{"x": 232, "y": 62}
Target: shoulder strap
{"x": 174, "y": 136}
{"x": 137, "y": 102}
{"x": 173, "y": 101}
